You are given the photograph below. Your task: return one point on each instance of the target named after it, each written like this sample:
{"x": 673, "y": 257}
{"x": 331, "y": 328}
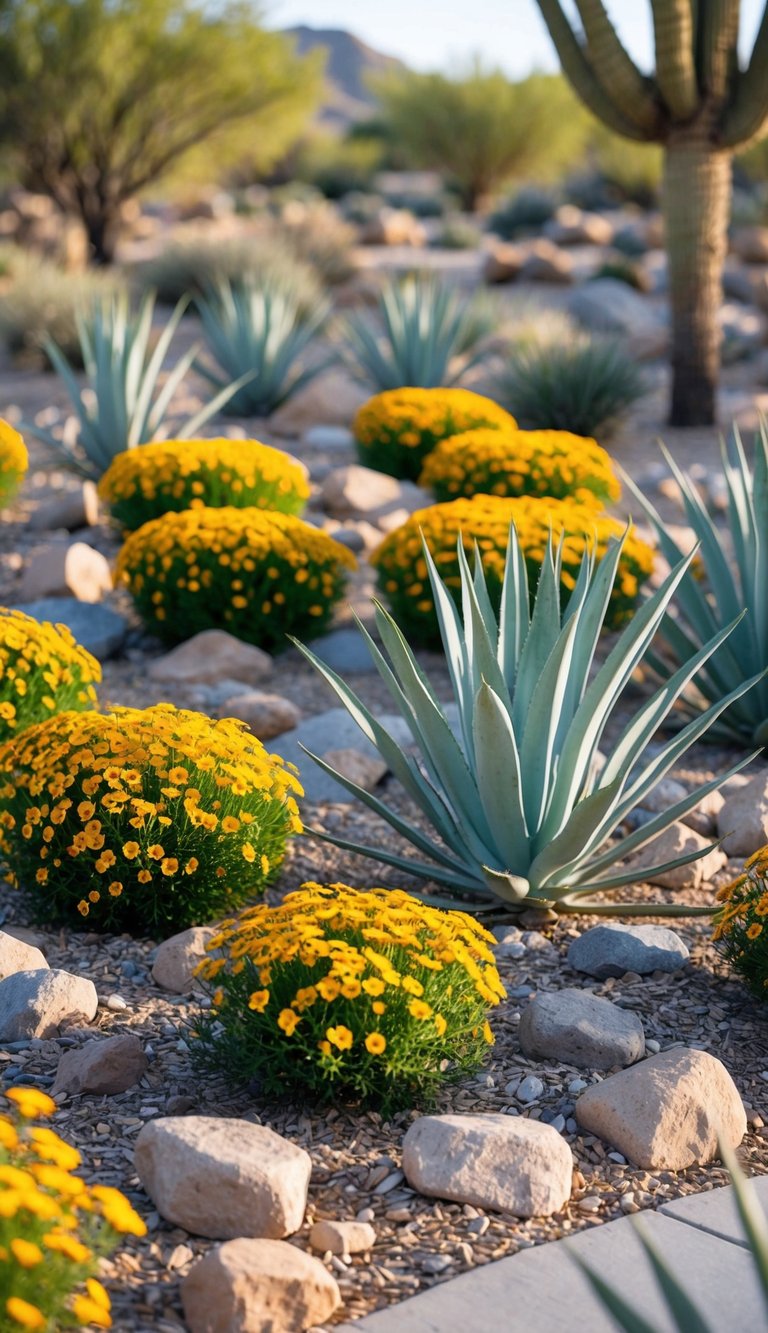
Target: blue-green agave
{"x": 520, "y": 807}
{"x": 728, "y": 585}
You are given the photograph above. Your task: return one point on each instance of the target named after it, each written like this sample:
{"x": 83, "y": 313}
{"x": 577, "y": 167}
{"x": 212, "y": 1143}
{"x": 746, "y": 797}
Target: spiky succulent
{"x": 425, "y": 336}
{"x": 128, "y": 399}
{"x": 730, "y": 582}
{"x": 514, "y": 793}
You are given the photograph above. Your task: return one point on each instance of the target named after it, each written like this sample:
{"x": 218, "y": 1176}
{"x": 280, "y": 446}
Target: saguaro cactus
{"x": 701, "y": 106}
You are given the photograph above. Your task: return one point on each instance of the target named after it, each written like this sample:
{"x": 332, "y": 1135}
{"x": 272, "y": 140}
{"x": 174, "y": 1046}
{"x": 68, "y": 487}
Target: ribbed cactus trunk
{"x": 697, "y": 198}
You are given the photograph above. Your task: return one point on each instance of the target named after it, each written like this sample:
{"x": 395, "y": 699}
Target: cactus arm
{"x": 746, "y": 117}
{"x": 581, "y": 74}
{"x": 633, "y": 93}
{"x": 675, "y": 67}
{"x": 718, "y": 33}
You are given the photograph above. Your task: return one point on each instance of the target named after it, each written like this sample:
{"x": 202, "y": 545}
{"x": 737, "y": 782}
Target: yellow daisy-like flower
{"x": 340, "y": 1036}
{"x": 375, "y": 1043}
{"x": 288, "y": 1021}
{"x": 31, "y": 1102}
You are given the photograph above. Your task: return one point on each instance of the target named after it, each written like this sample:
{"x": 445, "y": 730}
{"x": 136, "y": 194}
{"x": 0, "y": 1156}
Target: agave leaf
{"x": 568, "y": 847}
{"x": 418, "y": 868}
{"x": 511, "y": 888}
{"x": 454, "y": 646}
{"x": 641, "y": 874}
{"x": 499, "y": 781}
{"x": 515, "y": 610}
{"x": 621, "y": 1311}
{"x": 541, "y": 639}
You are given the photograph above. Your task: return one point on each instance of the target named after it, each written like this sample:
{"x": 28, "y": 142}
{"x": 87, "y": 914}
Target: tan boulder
{"x": 258, "y": 1286}
{"x": 211, "y": 656}
{"x": 176, "y": 958}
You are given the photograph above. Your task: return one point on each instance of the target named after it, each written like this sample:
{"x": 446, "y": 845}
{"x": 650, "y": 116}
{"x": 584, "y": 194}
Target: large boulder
{"x": 18, "y": 956}
{"x": 103, "y": 1066}
{"x": 38, "y": 1003}
{"x": 504, "y": 1162}
{"x": 175, "y": 960}
{"x": 258, "y": 1286}
{"x": 65, "y": 569}
{"x": 223, "y": 1178}
{"x": 578, "y": 1028}
{"x": 742, "y": 821}
{"x": 675, "y": 841}
{"x": 612, "y": 949}
{"x": 97, "y": 628}
{"x": 210, "y": 656}
{"x": 668, "y": 1112}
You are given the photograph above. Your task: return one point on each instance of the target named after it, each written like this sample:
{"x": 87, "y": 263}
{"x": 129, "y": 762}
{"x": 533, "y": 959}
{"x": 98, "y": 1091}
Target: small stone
{"x": 331, "y": 438}
{"x": 16, "y": 956}
{"x": 361, "y": 492}
{"x": 267, "y": 715}
{"x": 703, "y": 817}
{"x": 97, "y": 628}
{"x": 577, "y": 1085}
{"x": 210, "y": 656}
{"x": 116, "y": 1003}
{"x": 503, "y": 263}
{"x": 101, "y": 1066}
{"x": 176, "y": 958}
{"x": 573, "y": 226}
{"x": 364, "y": 770}
{"x": 37, "y": 1003}
{"x": 495, "y": 1161}
{"x": 223, "y": 1178}
{"x": 667, "y": 1111}
{"x": 342, "y": 1237}
{"x": 530, "y": 1089}
{"x": 72, "y": 509}
{"x": 544, "y": 262}
{"x": 63, "y": 569}
{"x": 675, "y": 841}
{"x": 365, "y": 1215}
{"x": 613, "y": 949}
{"x": 436, "y": 1263}
{"x": 343, "y": 650}
{"x": 742, "y": 822}
{"x": 258, "y": 1286}
{"x": 664, "y": 795}
{"x": 581, "y": 1029}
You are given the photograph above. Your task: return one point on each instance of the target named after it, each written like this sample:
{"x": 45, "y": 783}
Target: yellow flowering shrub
{"x": 486, "y": 519}
{"x": 141, "y": 484}
{"x": 258, "y": 575}
{"x": 53, "y": 1226}
{"x": 741, "y": 924}
{"x": 142, "y": 819}
{"x": 522, "y": 462}
{"x": 43, "y": 670}
{"x": 14, "y": 461}
{"x": 395, "y": 430}
{"x": 337, "y": 991}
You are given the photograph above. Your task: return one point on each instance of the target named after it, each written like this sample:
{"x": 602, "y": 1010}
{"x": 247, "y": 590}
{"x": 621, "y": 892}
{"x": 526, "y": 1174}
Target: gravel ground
{"x": 356, "y": 1157}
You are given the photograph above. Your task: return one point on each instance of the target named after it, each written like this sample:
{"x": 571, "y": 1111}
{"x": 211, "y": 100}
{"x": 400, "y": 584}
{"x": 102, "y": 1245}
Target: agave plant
{"x": 583, "y": 385}
{"x": 123, "y": 403}
{"x": 517, "y": 800}
{"x": 684, "y": 1315}
{"x": 425, "y": 336}
{"x": 260, "y": 330}
{"x": 706, "y": 604}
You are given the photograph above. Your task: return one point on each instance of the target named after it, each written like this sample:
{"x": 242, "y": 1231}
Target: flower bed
{"x": 396, "y": 430}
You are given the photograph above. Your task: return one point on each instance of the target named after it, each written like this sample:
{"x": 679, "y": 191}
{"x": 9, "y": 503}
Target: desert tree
{"x": 479, "y": 128}
{"x": 101, "y": 98}
{"x": 701, "y": 105}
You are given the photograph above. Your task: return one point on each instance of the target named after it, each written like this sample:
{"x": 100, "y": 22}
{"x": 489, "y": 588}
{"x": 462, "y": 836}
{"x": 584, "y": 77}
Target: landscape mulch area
{"x": 356, "y": 1156}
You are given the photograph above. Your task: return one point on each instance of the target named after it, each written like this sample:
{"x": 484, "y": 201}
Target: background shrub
{"x": 584, "y": 386}
{"x": 395, "y": 430}
{"x": 42, "y": 301}
{"x": 486, "y": 519}
{"x": 173, "y": 475}
{"x": 536, "y": 462}
{"x": 14, "y": 461}
{"x": 342, "y": 992}
{"x": 741, "y": 925}
{"x": 260, "y": 575}
{"x": 142, "y": 819}
{"x": 43, "y": 670}
{"x": 54, "y": 1227}
{"x": 191, "y": 267}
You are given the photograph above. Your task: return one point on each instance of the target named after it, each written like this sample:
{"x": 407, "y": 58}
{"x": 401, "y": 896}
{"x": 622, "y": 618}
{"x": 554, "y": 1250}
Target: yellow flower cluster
{"x": 523, "y": 462}
{"x": 52, "y": 1224}
{"x": 343, "y": 990}
{"x": 151, "y": 818}
{"x": 395, "y": 430}
{"x": 141, "y": 484}
{"x": 43, "y": 670}
{"x": 486, "y": 519}
{"x": 259, "y": 575}
{"x": 741, "y": 924}
{"x": 14, "y": 461}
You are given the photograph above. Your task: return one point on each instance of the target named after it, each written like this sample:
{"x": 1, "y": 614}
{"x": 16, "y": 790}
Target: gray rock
{"x": 175, "y": 960}
{"x": 677, "y": 840}
{"x": 608, "y": 305}
{"x": 613, "y": 949}
{"x": 667, "y": 1112}
{"x": 71, "y": 509}
{"x": 343, "y": 650}
{"x": 332, "y": 730}
{"x": 578, "y": 1028}
{"x": 105, "y": 1066}
{"x": 267, "y": 715}
{"x": 98, "y": 628}
{"x": 361, "y": 492}
{"x": 331, "y": 438}
{"x": 665, "y": 794}
{"x": 18, "y": 956}
{"x": 37, "y": 1003}
{"x": 365, "y": 770}
{"x": 509, "y": 1163}
{"x": 65, "y": 568}
{"x": 258, "y": 1286}
{"x": 742, "y": 821}
{"x": 530, "y": 1089}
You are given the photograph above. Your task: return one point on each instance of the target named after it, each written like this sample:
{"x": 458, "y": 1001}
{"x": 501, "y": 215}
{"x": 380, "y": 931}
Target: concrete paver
{"x": 715, "y": 1210}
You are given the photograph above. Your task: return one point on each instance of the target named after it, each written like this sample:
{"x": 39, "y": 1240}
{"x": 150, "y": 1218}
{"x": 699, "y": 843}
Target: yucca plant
{"x": 259, "y": 329}
{"x": 712, "y": 597}
{"x": 124, "y": 402}
{"x": 424, "y": 336}
{"x": 584, "y": 385}
{"x": 683, "y": 1314}
{"x": 518, "y": 805}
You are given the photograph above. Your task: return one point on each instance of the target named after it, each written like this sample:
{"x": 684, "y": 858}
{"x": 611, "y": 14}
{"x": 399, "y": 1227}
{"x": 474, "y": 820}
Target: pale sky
{"x": 440, "y": 34}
